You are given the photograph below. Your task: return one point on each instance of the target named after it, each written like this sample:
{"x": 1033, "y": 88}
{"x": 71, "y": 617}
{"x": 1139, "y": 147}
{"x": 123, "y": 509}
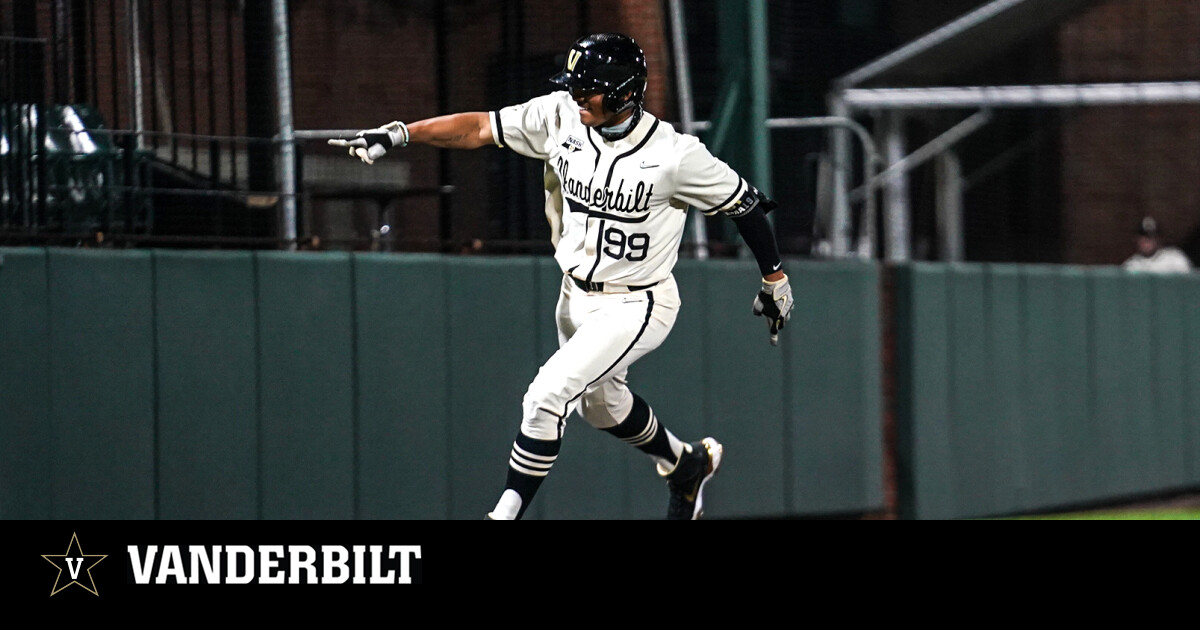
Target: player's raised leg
{"x": 613, "y": 408}
{"x": 612, "y": 332}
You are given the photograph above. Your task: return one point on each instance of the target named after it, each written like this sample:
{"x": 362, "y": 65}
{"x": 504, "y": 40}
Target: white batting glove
{"x": 775, "y": 303}
{"x": 371, "y": 144}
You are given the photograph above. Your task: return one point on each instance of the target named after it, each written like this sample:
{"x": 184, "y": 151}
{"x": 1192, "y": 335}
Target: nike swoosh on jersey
{"x": 645, "y": 165}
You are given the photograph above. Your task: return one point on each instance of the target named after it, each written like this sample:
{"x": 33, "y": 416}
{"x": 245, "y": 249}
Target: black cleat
{"x": 697, "y": 464}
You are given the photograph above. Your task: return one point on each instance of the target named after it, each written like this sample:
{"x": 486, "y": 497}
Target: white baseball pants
{"x": 599, "y": 335}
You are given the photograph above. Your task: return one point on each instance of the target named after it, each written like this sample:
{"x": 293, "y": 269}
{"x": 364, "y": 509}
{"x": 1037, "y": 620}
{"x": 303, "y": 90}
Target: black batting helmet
{"x": 610, "y": 63}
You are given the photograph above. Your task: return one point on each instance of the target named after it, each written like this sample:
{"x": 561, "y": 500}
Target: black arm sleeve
{"x": 756, "y": 231}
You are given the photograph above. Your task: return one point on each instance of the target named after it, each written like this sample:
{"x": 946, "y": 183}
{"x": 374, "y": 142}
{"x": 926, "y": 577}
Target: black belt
{"x": 598, "y": 287}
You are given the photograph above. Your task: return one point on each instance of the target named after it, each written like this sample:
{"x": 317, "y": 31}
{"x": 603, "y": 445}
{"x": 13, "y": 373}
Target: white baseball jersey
{"x": 1165, "y": 260}
{"x": 623, "y": 204}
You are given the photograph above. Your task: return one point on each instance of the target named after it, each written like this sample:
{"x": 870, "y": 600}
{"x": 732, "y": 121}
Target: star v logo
{"x": 76, "y": 565}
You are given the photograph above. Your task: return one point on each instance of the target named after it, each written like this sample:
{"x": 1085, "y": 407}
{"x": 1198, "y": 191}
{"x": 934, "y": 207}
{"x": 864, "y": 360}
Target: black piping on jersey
{"x": 599, "y": 251}
{"x": 645, "y": 323}
{"x": 737, "y": 191}
{"x": 498, "y": 127}
{"x": 597, "y": 150}
{"x": 591, "y": 180}
{"x": 578, "y": 206}
{"x": 613, "y": 166}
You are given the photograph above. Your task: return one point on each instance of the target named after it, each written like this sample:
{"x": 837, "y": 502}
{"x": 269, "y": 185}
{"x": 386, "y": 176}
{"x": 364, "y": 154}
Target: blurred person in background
{"x": 1152, "y": 256}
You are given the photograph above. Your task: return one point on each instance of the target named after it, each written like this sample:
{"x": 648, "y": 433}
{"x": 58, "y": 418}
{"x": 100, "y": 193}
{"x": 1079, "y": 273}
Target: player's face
{"x": 591, "y": 107}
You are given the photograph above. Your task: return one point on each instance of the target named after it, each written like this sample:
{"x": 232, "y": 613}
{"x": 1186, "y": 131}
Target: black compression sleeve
{"x": 756, "y": 231}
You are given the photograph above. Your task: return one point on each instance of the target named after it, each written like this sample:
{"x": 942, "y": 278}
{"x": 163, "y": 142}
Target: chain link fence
{"x": 139, "y": 122}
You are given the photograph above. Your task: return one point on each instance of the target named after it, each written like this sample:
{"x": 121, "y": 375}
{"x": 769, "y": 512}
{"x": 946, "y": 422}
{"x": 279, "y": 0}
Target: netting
{"x": 159, "y": 122}
{"x": 137, "y": 120}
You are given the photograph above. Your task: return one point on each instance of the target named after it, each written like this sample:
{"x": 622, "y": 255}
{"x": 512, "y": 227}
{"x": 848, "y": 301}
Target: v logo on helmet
{"x": 573, "y": 58}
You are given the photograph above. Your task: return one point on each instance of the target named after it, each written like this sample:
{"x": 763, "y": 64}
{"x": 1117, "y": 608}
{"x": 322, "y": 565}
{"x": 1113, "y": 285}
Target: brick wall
{"x": 1117, "y": 163}
{"x": 357, "y": 64}
{"x": 1120, "y": 163}
{"x": 360, "y": 63}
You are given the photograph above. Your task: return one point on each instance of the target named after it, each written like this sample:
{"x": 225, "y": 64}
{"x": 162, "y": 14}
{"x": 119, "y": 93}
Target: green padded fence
{"x": 206, "y": 365}
{"x": 402, "y": 340}
{"x": 306, "y": 380}
{"x": 269, "y": 385}
{"x": 26, "y": 434}
{"x": 1030, "y": 388}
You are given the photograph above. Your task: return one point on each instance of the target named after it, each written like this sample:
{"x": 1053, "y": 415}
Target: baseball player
{"x": 619, "y": 182}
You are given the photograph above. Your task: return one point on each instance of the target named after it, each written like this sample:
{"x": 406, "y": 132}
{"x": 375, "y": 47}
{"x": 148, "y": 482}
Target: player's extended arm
{"x": 468, "y": 130}
{"x": 774, "y": 300}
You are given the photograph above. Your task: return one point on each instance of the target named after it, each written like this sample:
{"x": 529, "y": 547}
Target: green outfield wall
{"x": 1028, "y": 388}
{"x": 268, "y": 385}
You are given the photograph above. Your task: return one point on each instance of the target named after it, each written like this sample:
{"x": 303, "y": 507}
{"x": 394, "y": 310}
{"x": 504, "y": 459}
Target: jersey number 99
{"x": 632, "y": 247}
